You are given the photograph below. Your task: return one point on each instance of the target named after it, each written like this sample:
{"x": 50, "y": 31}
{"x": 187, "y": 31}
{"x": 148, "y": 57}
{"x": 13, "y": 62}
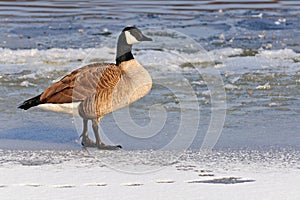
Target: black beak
{"x": 145, "y": 38}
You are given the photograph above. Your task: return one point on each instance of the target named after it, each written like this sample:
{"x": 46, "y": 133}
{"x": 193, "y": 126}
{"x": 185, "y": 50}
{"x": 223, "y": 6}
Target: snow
{"x": 266, "y": 86}
{"x": 223, "y": 176}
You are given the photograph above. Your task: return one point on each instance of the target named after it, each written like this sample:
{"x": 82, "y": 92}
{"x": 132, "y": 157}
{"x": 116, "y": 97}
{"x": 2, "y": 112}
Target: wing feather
{"x": 83, "y": 83}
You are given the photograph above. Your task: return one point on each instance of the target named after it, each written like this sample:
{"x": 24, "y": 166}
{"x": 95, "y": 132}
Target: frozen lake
{"x": 226, "y": 77}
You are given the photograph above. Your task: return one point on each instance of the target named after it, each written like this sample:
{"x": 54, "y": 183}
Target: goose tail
{"x": 30, "y": 103}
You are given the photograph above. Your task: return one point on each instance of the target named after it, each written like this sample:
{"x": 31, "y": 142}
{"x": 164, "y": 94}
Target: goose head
{"x": 134, "y": 35}
{"x": 130, "y": 35}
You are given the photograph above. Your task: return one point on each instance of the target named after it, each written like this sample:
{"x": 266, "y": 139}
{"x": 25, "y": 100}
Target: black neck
{"x": 123, "y": 50}
{"x": 125, "y": 57}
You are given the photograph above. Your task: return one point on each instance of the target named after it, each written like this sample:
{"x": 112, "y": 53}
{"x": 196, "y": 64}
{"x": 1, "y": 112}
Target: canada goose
{"x": 97, "y": 89}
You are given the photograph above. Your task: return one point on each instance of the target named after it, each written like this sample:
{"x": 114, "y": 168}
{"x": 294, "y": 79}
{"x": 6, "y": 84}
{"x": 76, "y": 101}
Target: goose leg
{"x": 86, "y": 141}
{"x": 99, "y": 143}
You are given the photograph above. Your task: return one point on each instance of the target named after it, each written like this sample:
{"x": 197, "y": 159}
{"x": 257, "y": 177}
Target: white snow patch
{"x": 266, "y": 86}
{"x": 26, "y": 84}
{"x": 231, "y": 87}
{"x": 73, "y": 180}
{"x": 273, "y": 104}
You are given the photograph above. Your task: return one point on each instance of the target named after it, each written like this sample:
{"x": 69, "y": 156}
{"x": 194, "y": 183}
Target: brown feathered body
{"x": 97, "y": 89}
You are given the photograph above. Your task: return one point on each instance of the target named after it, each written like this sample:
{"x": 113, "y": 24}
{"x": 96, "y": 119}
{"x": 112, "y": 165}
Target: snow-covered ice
{"x": 77, "y": 174}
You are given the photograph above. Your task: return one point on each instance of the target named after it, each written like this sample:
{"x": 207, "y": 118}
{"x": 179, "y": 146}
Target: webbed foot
{"x": 108, "y": 147}
{"x": 87, "y": 142}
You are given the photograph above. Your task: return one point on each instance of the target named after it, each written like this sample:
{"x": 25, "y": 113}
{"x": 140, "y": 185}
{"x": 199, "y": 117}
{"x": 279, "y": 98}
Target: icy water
{"x": 230, "y": 70}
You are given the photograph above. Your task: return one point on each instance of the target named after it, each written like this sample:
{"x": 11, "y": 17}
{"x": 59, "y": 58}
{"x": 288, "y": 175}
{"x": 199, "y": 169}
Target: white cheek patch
{"x": 130, "y": 39}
